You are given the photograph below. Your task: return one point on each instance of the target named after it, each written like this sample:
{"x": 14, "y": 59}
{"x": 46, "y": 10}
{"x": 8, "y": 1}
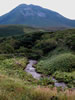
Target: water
{"x": 62, "y": 84}
{"x": 31, "y": 70}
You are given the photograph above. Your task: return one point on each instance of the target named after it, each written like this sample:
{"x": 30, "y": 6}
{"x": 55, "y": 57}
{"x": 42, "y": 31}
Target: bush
{"x": 64, "y": 62}
{"x": 46, "y": 81}
{"x": 5, "y": 56}
{"x": 68, "y": 78}
{"x": 70, "y": 41}
{"x": 14, "y": 63}
{"x": 46, "y": 45}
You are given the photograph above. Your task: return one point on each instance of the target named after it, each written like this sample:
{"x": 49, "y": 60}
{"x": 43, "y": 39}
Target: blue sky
{"x": 64, "y": 7}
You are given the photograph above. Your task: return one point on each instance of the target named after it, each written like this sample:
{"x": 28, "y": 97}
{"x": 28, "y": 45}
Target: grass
{"x": 61, "y": 66}
{"x": 57, "y": 58}
{"x": 16, "y": 89}
{"x": 14, "y": 67}
{"x": 15, "y": 84}
{"x": 67, "y": 77}
{"x": 12, "y": 89}
{"x": 63, "y": 62}
{"x": 46, "y": 93}
{"x": 45, "y": 81}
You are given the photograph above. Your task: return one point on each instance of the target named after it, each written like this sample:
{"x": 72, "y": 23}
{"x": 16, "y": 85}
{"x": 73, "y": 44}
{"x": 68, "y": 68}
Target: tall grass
{"x": 16, "y": 89}
{"x": 45, "y": 93}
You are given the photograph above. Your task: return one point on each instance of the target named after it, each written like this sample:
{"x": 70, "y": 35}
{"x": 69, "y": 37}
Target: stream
{"x": 31, "y": 70}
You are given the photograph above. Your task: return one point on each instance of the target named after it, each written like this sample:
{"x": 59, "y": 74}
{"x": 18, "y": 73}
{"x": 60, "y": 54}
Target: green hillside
{"x": 55, "y": 53}
{"x": 11, "y": 30}
{"x": 38, "y": 44}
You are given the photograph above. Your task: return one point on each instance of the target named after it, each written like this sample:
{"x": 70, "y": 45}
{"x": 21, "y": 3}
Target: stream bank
{"x": 31, "y": 70}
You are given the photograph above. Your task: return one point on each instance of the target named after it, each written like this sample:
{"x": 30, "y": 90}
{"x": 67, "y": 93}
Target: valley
{"x": 31, "y": 70}
{"x": 37, "y": 65}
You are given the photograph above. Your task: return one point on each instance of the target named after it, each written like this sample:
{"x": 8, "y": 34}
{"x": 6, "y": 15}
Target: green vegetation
{"x": 38, "y": 44}
{"x": 11, "y": 30}
{"x": 17, "y": 84}
{"x": 13, "y": 89}
{"x": 14, "y": 67}
{"x": 67, "y": 77}
{"x": 63, "y": 62}
{"x": 55, "y": 52}
{"x": 45, "y": 81}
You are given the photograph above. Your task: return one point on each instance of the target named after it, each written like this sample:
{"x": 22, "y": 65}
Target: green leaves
{"x": 63, "y": 62}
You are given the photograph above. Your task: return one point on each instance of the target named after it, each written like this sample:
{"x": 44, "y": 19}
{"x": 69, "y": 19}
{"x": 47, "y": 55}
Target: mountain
{"x": 37, "y": 16}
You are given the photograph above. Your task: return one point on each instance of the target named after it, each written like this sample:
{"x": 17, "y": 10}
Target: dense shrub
{"x": 14, "y": 63}
{"x": 45, "y": 81}
{"x": 70, "y": 41}
{"x": 5, "y": 56}
{"x": 46, "y": 45}
{"x": 63, "y": 62}
{"x": 68, "y": 78}
{"x": 38, "y": 41}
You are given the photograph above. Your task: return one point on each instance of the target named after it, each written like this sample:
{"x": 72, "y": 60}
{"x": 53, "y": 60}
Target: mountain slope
{"x": 11, "y": 30}
{"x": 33, "y": 15}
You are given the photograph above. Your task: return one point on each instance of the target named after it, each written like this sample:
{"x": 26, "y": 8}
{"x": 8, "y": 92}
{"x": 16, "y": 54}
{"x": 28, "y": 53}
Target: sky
{"x": 64, "y": 7}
